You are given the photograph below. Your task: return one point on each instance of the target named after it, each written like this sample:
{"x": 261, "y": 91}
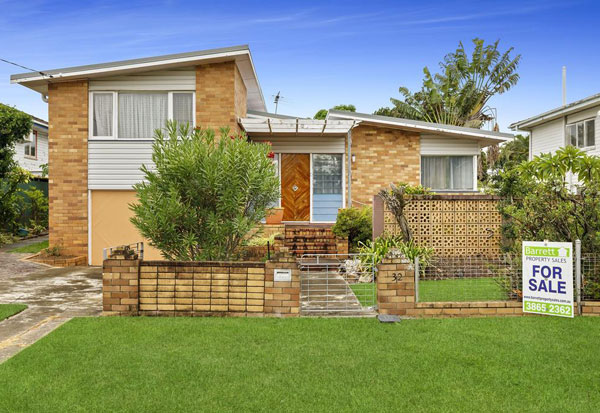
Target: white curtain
{"x": 183, "y": 108}
{"x": 462, "y": 172}
{"x": 435, "y": 172}
{"x": 447, "y": 172}
{"x": 141, "y": 113}
{"x": 103, "y": 114}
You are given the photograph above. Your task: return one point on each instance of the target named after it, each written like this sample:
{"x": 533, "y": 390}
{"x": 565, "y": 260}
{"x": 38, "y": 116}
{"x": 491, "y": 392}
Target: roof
{"x": 289, "y": 126}
{"x": 579, "y": 105}
{"x": 257, "y": 114}
{"x": 483, "y": 136}
{"x": 38, "y": 81}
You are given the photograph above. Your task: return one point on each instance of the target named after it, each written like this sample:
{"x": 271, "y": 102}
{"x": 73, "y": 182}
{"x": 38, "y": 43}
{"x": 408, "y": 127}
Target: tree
{"x": 14, "y": 126}
{"x": 396, "y": 198}
{"x": 205, "y": 192}
{"x": 458, "y": 95}
{"x": 501, "y": 158}
{"x": 538, "y": 203}
{"x": 322, "y": 114}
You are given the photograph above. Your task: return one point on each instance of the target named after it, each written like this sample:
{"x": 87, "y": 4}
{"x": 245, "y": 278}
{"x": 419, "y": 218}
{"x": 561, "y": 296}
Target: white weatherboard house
{"x": 574, "y": 124}
{"x": 32, "y": 152}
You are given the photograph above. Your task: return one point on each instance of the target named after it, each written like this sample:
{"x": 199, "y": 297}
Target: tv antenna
{"x": 276, "y": 99}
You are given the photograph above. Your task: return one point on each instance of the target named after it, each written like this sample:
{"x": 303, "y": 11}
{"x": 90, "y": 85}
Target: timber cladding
{"x": 453, "y": 225}
{"x": 135, "y": 287}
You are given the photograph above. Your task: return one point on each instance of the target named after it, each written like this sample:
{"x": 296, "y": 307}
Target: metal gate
{"x": 338, "y": 284}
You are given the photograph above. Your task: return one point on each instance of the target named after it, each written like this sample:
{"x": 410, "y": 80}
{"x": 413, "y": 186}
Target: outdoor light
{"x": 353, "y": 158}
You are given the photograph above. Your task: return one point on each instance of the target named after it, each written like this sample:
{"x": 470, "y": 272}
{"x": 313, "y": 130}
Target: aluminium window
{"x": 136, "y": 115}
{"x": 449, "y": 173}
{"x": 30, "y": 147}
{"x": 582, "y": 134}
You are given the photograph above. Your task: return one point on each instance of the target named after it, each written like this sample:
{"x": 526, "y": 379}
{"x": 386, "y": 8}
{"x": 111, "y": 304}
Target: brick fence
{"x": 396, "y": 295}
{"x": 137, "y": 287}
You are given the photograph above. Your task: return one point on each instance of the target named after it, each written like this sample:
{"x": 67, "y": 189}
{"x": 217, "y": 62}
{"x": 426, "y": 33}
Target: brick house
{"x": 102, "y": 117}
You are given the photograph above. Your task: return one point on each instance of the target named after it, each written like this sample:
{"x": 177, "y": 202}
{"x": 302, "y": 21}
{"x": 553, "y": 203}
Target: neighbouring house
{"x": 32, "y": 152}
{"x": 574, "y": 124}
{"x": 102, "y": 118}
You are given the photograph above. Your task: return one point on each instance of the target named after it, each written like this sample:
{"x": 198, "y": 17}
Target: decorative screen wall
{"x": 454, "y": 225}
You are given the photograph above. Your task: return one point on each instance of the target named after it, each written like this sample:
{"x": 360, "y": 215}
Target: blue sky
{"x": 318, "y": 54}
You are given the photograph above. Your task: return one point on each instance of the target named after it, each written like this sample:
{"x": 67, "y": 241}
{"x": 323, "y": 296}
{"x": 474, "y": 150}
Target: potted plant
{"x": 274, "y": 216}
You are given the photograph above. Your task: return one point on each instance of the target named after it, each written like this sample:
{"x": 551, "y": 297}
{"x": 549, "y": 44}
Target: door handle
{"x": 295, "y": 188}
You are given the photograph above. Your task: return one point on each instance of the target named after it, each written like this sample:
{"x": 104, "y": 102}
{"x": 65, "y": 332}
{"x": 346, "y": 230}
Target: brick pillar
{"x": 220, "y": 96}
{"x": 282, "y": 298}
{"x": 68, "y": 166}
{"x": 120, "y": 287}
{"x": 395, "y": 286}
{"x": 341, "y": 245}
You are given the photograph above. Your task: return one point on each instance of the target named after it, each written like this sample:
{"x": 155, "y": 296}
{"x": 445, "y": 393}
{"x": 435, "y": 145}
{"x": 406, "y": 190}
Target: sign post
{"x": 548, "y": 278}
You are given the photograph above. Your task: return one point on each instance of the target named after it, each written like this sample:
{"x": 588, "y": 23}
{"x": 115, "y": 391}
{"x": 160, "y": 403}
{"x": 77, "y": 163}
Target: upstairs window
{"x": 30, "y": 146}
{"x": 136, "y": 115}
{"x": 448, "y": 173}
{"x": 582, "y": 134}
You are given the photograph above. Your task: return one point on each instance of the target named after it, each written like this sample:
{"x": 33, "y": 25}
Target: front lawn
{"x": 461, "y": 289}
{"x": 31, "y": 248}
{"x": 8, "y": 310}
{"x": 308, "y": 364}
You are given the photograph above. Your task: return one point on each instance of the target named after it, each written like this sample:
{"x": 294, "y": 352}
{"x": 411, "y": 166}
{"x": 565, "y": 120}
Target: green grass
{"x": 366, "y": 293}
{"x": 32, "y": 248}
{"x": 461, "y": 289}
{"x": 308, "y": 364}
{"x": 7, "y": 310}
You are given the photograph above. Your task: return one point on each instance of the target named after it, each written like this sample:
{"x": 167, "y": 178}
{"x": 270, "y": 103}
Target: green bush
{"x": 204, "y": 194}
{"x": 373, "y": 252}
{"x": 354, "y": 224}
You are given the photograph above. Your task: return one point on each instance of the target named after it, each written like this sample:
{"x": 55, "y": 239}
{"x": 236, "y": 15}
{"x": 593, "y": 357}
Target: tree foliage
{"x": 354, "y": 224}
{"x": 458, "y": 95}
{"x": 204, "y": 194}
{"x": 322, "y": 113}
{"x": 14, "y": 126}
{"x": 501, "y": 158}
{"x": 539, "y": 203}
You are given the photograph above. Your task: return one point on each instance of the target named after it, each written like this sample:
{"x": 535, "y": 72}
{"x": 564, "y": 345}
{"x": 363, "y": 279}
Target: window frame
{"x": 115, "y": 120}
{"x": 576, "y": 125}
{"x": 28, "y": 144}
{"x": 474, "y": 187}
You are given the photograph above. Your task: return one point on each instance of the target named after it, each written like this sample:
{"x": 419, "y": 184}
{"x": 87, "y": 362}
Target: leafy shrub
{"x": 354, "y": 224}
{"x": 373, "y": 252}
{"x": 204, "y": 194}
{"x": 38, "y": 207}
{"x": 54, "y": 251}
{"x": 262, "y": 241}
{"x": 11, "y": 200}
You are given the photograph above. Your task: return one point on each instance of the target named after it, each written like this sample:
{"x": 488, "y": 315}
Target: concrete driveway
{"x": 53, "y": 296}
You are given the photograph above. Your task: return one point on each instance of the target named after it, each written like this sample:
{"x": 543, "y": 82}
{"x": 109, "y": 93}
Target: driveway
{"x": 53, "y": 296}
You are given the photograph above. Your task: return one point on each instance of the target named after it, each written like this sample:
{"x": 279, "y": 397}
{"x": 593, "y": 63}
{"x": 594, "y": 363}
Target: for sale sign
{"x": 548, "y": 278}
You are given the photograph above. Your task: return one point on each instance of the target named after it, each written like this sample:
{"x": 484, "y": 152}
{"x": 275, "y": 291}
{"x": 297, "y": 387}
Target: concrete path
{"x": 53, "y": 296}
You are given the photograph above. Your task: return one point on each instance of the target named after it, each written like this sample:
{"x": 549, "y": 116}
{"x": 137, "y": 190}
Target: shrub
{"x": 354, "y": 224}
{"x": 204, "y": 194}
{"x": 373, "y": 252}
{"x": 38, "y": 207}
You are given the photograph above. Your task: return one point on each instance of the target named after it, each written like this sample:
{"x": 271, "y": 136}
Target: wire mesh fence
{"x": 470, "y": 278}
{"x": 590, "y": 277}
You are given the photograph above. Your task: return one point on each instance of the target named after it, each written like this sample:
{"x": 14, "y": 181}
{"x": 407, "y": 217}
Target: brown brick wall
{"x": 132, "y": 287}
{"x": 220, "y": 96}
{"x": 68, "y": 166}
{"x": 383, "y": 156}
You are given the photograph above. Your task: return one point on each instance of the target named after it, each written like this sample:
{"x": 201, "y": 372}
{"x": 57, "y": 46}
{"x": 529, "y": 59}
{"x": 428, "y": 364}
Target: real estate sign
{"x": 548, "y": 278}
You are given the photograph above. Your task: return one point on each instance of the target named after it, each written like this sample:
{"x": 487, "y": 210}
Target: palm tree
{"x": 459, "y": 94}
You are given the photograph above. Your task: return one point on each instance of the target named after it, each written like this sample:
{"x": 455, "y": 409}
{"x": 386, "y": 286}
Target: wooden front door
{"x": 295, "y": 186}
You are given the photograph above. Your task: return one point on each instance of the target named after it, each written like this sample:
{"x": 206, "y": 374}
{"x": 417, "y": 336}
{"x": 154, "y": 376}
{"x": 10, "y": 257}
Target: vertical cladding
{"x": 68, "y": 166}
{"x": 383, "y": 156}
{"x": 220, "y": 96}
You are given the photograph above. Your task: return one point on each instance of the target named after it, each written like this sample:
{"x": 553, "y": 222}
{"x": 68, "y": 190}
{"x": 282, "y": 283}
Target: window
{"x": 452, "y": 173}
{"x": 582, "y": 134}
{"x": 31, "y": 145}
{"x": 327, "y": 188}
{"x": 136, "y": 115}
